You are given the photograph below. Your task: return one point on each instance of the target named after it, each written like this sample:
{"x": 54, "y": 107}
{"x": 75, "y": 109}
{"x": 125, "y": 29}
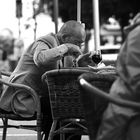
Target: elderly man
{"x": 45, "y": 54}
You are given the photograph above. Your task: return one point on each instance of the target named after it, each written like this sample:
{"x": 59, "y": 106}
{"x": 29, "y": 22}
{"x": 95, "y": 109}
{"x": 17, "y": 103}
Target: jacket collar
{"x": 129, "y": 28}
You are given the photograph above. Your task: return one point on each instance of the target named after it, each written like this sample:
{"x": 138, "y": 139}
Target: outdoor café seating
{"x": 66, "y": 106}
{"x": 6, "y": 116}
{"x": 103, "y": 81}
{"x": 90, "y": 92}
{"x": 67, "y": 112}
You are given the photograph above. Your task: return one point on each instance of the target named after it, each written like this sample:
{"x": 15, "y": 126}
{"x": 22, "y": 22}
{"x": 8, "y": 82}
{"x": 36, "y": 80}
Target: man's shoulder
{"x": 135, "y": 32}
{"x": 132, "y": 28}
{"x": 48, "y": 37}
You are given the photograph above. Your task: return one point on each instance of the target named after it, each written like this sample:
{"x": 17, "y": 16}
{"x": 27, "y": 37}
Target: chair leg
{"x": 42, "y": 136}
{"x": 5, "y": 123}
{"x": 51, "y": 134}
{"x": 62, "y": 135}
{"x": 39, "y": 136}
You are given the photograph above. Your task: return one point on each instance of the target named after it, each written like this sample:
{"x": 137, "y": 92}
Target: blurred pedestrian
{"x": 17, "y": 52}
{"x": 18, "y": 48}
{"x": 7, "y": 40}
{"x": 6, "y": 48}
{"x": 115, "y": 122}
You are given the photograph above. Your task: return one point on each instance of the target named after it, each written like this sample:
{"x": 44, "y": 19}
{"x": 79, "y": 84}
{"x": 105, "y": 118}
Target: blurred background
{"x": 22, "y": 21}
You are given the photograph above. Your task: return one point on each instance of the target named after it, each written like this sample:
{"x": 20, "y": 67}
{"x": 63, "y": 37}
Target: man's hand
{"x": 84, "y": 60}
{"x": 73, "y": 50}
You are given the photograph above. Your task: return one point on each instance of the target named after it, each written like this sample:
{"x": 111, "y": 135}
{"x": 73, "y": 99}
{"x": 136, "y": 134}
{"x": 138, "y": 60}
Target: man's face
{"x": 79, "y": 37}
{"x": 74, "y": 40}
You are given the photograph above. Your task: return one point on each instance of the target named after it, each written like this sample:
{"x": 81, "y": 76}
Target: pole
{"x": 19, "y": 13}
{"x": 19, "y": 31}
{"x": 34, "y": 17}
{"x": 96, "y": 24}
{"x": 56, "y": 15}
{"x": 79, "y": 10}
{"x": 35, "y": 27}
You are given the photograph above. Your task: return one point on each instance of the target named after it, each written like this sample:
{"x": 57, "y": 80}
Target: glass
{"x": 97, "y": 57}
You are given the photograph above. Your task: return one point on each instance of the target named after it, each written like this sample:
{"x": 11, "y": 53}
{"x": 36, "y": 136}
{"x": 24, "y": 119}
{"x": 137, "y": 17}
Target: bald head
{"x": 73, "y": 29}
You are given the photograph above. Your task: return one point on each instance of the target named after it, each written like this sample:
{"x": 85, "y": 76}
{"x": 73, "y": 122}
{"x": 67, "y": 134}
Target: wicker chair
{"x": 67, "y": 110}
{"x": 5, "y": 116}
{"x": 90, "y": 91}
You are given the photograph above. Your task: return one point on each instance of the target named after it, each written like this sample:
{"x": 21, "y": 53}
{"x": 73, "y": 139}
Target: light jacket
{"x": 29, "y": 71}
{"x": 115, "y": 122}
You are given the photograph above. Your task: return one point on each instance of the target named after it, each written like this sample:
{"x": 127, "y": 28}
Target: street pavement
{"x": 22, "y": 134}
{"x": 19, "y": 134}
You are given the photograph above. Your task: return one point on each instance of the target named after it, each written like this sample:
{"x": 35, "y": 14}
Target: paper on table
{"x": 102, "y": 66}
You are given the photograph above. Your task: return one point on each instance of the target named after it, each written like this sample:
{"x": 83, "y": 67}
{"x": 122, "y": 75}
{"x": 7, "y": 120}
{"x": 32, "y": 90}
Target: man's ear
{"x": 64, "y": 38}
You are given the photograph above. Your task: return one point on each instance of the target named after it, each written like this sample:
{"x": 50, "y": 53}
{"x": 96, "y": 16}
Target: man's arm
{"x": 43, "y": 55}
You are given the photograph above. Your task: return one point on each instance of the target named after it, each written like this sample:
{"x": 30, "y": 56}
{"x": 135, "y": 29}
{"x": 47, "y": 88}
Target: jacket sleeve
{"x": 133, "y": 59}
{"x": 45, "y": 55}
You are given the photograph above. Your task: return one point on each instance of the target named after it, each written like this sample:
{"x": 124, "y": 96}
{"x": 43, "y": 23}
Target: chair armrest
{"x": 29, "y": 90}
{"x": 87, "y": 87}
{"x": 8, "y": 74}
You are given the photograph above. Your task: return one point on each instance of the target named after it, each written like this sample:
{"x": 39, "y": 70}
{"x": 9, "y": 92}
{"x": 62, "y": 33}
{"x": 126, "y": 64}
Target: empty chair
{"x": 67, "y": 111}
{"x": 6, "y": 116}
{"x": 89, "y": 93}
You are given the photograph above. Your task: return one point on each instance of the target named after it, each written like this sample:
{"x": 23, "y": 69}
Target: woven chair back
{"x": 64, "y": 93}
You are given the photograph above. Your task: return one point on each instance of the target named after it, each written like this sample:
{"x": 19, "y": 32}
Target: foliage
{"x": 120, "y": 8}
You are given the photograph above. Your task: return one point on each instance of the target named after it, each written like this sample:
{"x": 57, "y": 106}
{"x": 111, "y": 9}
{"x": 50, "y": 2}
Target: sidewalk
{"x": 19, "y": 134}
{"x": 22, "y": 134}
